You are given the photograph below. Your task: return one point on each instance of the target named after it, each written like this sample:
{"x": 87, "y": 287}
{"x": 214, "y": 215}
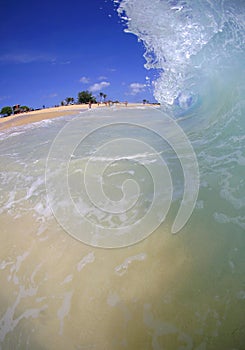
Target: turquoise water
{"x": 60, "y": 285}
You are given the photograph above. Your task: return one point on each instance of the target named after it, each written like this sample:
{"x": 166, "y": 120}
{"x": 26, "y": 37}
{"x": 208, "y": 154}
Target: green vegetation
{"x": 24, "y": 109}
{"x": 69, "y": 100}
{"x": 102, "y": 96}
{"x": 6, "y": 110}
{"x": 86, "y": 97}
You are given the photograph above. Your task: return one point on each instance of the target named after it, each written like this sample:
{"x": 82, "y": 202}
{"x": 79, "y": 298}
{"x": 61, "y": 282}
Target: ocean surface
{"x": 124, "y": 228}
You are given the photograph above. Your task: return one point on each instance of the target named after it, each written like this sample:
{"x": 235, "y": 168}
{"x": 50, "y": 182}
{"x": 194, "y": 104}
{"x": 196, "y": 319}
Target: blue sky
{"x": 51, "y": 50}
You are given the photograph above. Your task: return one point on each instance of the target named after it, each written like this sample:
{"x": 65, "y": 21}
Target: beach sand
{"x": 48, "y": 113}
{"x": 38, "y": 115}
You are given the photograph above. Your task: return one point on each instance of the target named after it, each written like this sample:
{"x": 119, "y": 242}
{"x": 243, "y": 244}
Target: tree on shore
{"x": 101, "y": 96}
{"x": 86, "y": 97}
{"x": 7, "y": 110}
{"x": 69, "y": 100}
{"x": 24, "y": 108}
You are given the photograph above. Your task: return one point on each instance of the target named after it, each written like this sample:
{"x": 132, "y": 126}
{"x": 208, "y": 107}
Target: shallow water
{"x": 183, "y": 291}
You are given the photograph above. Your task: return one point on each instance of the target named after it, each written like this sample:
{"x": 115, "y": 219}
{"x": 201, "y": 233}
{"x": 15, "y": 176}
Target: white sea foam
{"x": 88, "y": 259}
{"x": 113, "y": 299}
{"x": 241, "y": 295}
{"x": 146, "y": 157}
{"x": 64, "y": 310}
{"x": 68, "y": 279}
{"x": 9, "y": 321}
{"x": 225, "y": 219}
{"x": 122, "y": 268}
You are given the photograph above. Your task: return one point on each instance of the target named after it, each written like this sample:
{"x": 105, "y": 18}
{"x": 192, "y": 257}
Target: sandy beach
{"x": 38, "y": 115}
{"x": 48, "y": 113}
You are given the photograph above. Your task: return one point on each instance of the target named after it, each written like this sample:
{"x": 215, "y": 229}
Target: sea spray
{"x": 187, "y": 43}
{"x": 197, "y": 50}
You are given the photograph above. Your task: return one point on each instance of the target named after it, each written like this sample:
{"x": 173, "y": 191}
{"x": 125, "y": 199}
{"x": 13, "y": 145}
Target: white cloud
{"x": 84, "y": 80}
{"x": 2, "y": 98}
{"x": 99, "y": 86}
{"x": 136, "y": 88}
{"x": 65, "y": 62}
{"x": 102, "y": 77}
{"x": 52, "y": 95}
{"x": 26, "y": 58}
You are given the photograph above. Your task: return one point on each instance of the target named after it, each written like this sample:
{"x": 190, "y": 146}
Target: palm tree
{"x": 69, "y": 100}
{"x": 101, "y": 96}
{"x": 104, "y": 96}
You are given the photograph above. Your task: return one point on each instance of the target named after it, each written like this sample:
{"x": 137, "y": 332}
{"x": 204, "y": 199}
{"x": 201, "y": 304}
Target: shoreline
{"x": 39, "y": 115}
{"x": 50, "y": 113}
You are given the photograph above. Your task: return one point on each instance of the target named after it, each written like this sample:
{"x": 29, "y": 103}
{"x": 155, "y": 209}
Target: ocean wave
{"x": 186, "y": 42}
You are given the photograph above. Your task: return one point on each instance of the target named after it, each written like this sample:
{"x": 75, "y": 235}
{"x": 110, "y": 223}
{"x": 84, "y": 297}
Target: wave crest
{"x": 183, "y": 38}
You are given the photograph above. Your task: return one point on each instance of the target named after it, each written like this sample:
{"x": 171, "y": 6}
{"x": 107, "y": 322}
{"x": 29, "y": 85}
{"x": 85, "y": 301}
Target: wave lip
{"x": 183, "y": 39}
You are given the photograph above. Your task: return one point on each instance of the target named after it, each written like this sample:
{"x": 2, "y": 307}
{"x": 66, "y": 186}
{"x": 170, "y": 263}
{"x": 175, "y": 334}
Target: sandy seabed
{"x": 171, "y": 292}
